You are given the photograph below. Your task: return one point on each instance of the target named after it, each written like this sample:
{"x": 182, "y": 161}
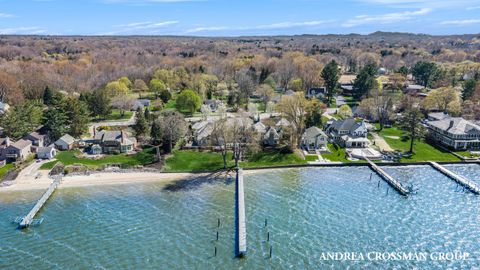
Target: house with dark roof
{"x": 115, "y": 141}
{"x": 317, "y": 92}
{"x": 349, "y": 133}
{"x": 38, "y": 139}
{"x": 271, "y": 137}
{"x": 18, "y": 151}
{"x": 455, "y": 133}
{"x": 314, "y": 139}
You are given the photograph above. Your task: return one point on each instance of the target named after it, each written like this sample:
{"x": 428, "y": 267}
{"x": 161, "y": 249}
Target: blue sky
{"x": 237, "y": 17}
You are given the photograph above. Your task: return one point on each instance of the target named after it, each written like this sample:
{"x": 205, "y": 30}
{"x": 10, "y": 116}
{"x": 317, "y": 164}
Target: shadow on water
{"x": 197, "y": 181}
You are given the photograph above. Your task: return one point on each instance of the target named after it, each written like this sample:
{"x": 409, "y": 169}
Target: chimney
{"x": 451, "y": 124}
{"x": 7, "y": 141}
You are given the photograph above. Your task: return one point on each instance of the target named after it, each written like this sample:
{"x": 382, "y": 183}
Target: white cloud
{"x": 461, "y": 22}
{"x": 22, "y": 31}
{"x": 140, "y": 27}
{"x": 385, "y": 18}
{"x": 422, "y": 3}
{"x": 5, "y": 15}
{"x": 473, "y": 8}
{"x": 273, "y": 26}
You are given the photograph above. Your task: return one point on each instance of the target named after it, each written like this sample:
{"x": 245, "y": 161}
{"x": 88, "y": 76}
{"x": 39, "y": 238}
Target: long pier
{"x": 472, "y": 186}
{"x": 28, "y": 219}
{"x": 389, "y": 179}
{"x": 240, "y": 226}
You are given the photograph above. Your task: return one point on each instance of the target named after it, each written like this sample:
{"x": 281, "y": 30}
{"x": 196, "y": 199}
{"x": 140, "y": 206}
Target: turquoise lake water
{"x": 310, "y": 212}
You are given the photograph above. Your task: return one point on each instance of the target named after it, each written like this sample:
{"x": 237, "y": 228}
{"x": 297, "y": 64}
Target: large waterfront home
{"x": 349, "y": 133}
{"x": 314, "y": 139}
{"x": 202, "y": 132}
{"x": 454, "y": 132}
{"x": 116, "y": 141}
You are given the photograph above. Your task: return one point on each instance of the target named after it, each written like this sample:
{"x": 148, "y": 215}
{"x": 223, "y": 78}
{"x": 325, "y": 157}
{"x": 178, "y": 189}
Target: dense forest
{"x": 28, "y": 64}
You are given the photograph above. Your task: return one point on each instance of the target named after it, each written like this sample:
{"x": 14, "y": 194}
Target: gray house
{"x": 314, "y": 139}
{"x": 36, "y": 138}
{"x": 18, "y": 150}
{"x": 455, "y": 133}
{"x": 65, "y": 142}
{"x": 271, "y": 137}
{"x": 115, "y": 141}
{"x": 349, "y": 133}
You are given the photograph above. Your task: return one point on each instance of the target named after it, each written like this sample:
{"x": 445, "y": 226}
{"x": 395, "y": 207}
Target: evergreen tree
{"x": 47, "y": 96}
{"x": 147, "y": 114}
{"x": 469, "y": 88}
{"x": 411, "y": 122}
{"x": 365, "y": 80}
{"x": 330, "y": 76}
{"x": 141, "y": 125}
{"x": 156, "y": 133}
{"x": 425, "y": 73}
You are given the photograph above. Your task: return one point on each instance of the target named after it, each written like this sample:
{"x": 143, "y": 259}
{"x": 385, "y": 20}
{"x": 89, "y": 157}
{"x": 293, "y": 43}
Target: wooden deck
{"x": 28, "y": 219}
{"x": 389, "y": 179}
{"x": 241, "y": 228}
{"x": 472, "y": 186}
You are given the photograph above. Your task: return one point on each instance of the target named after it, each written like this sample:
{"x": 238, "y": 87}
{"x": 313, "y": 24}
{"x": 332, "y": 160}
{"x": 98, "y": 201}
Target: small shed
{"x": 46, "y": 152}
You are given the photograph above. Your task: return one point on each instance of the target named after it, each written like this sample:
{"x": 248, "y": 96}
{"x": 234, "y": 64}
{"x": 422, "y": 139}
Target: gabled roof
{"x": 348, "y": 124}
{"x": 36, "y": 135}
{"x": 114, "y": 135}
{"x": 260, "y": 127}
{"x": 271, "y": 132}
{"x": 456, "y": 125}
{"x": 313, "y": 132}
{"x": 283, "y": 123}
{"x": 21, "y": 144}
{"x": 67, "y": 139}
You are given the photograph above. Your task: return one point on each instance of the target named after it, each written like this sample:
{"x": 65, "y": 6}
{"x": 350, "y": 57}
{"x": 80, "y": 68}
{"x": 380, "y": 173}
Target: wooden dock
{"x": 472, "y": 186}
{"x": 240, "y": 226}
{"x": 28, "y": 219}
{"x": 389, "y": 179}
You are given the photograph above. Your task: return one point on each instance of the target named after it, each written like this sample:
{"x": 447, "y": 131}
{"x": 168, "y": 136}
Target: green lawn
{"x": 171, "y": 104}
{"x": 115, "y": 115}
{"x": 337, "y": 154}
{"x": 5, "y": 169}
{"x": 273, "y": 158}
{"x": 194, "y": 161}
{"x": 423, "y": 151}
{"x": 72, "y": 157}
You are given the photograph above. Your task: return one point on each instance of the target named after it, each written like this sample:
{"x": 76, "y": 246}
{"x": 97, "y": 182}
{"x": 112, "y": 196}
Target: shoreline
{"x": 31, "y": 183}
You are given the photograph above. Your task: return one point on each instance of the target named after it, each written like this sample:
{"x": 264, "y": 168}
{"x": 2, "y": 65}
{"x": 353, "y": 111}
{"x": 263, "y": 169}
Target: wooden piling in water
{"x": 241, "y": 228}
{"x": 390, "y": 180}
{"x": 466, "y": 183}
{"x": 28, "y": 219}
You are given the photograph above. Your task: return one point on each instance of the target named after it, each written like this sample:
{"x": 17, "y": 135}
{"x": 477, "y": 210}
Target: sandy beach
{"x": 95, "y": 179}
{"x": 40, "y": 180}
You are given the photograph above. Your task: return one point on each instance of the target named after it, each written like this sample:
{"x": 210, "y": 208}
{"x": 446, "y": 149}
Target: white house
{"x": 46, "y": 152}
{"x": 314, "y": 139}
{"x": 65, "y": 142}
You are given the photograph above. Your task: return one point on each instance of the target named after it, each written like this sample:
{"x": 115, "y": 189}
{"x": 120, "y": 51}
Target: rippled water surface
{"x": 309, "y": 211}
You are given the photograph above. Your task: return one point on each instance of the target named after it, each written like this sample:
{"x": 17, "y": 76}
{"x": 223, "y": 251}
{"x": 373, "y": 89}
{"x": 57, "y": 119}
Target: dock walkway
{"x": 472, "y": 186}
{"x": 241, "y": 228}
{"x": 28, "y": 219}
{"x": 390, "y": 180}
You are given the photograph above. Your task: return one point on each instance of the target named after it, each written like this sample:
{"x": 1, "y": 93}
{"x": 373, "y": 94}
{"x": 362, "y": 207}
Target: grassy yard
{"x": 5, "y": 169}
{"x": 423, "y": 151}
{"x": 194, "y": 161}
{"x": 72, "y": 157}
{"x": 273, "y": 158}
{"x": 115, "y": 115}
{"x": 337, "y": 154}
